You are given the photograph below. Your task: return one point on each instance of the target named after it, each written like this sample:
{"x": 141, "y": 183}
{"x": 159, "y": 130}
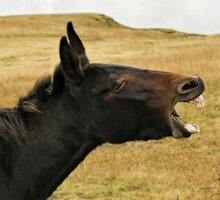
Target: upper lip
{"x": 190, "y": 94}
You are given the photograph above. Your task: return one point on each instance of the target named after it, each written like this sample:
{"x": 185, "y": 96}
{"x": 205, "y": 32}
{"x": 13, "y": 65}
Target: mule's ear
{"x": 70, "y": 62}
{"x": 77, "y": 44}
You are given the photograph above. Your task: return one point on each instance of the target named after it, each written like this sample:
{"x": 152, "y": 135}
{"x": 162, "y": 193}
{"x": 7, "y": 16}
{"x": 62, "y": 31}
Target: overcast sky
{"x": 196, "y": 16}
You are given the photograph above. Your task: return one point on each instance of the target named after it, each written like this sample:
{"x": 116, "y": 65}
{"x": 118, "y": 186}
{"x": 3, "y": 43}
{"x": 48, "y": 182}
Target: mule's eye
{"x": 119, "y": 87}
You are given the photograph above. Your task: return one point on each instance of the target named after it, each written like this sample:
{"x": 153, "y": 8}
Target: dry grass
{"x": 166, "y": 169}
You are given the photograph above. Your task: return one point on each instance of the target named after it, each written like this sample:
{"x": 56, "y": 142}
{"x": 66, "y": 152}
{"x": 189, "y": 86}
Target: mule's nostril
{"x": 190, "y": 85}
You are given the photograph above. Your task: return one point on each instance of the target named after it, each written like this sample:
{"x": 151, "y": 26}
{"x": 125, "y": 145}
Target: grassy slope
{"x": 165, "y": 169}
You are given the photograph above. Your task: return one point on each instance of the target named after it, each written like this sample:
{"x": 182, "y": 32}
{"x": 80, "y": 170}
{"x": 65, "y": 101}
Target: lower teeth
{"x": 192, "y": 128}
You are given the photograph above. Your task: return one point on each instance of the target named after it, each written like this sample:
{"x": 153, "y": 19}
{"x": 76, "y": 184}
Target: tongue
{"x": 199, "y": 101}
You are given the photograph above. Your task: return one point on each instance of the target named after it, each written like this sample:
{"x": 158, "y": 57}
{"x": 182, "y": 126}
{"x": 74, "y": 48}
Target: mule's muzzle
{"x": 190, "y": 85}
{"x": 191, "y": 88}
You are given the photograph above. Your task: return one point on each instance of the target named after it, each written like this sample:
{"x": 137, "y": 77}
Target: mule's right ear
{"x": 70, "y": 62}
{"x": 77, "y": 44}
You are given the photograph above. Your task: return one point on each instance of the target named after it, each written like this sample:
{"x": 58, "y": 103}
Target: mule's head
{"x": 121, "y": 103}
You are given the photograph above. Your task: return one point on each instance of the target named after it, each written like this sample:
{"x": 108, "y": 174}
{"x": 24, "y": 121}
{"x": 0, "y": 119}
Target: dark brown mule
{"x": 63, "y": 118}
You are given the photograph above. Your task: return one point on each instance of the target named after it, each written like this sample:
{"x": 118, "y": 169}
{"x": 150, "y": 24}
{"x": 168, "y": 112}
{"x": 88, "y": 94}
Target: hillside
{"x": 51, "y": 25}
{"x": 166, "y": 169}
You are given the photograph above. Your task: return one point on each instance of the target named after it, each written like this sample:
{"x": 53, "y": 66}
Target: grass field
{"x": 169, "y": 169}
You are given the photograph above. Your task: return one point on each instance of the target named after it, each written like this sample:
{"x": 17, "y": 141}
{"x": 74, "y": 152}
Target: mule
{"x": 83, "y": 105}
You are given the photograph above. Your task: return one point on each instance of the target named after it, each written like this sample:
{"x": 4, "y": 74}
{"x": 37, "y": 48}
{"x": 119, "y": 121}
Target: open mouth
{"x": 190, "y": 93}
{"x": 183, "y": 128}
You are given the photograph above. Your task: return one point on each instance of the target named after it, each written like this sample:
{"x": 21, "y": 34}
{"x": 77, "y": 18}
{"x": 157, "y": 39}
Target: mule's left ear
{"x": 77, "y": 44}
{"x": 70, "y": 62}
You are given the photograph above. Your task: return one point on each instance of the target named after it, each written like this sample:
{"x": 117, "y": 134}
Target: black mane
{"x": 12, "y": 131}
{"x": 43, "y": 88}
{"x": 11, "y": 123}
{"x": 32, "y": 101}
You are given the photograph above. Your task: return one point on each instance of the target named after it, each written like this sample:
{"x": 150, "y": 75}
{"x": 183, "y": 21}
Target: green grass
{"x": 186, "y": 169}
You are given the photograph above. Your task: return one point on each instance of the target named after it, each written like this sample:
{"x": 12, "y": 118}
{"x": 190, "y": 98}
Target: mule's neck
{"x": 54, "y": 147}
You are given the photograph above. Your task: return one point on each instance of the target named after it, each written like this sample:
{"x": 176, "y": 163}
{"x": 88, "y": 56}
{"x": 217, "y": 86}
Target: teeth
{"x": 200, "y": 104}
{"x": 192, "y": 128}
{"x": 199, "y": 101}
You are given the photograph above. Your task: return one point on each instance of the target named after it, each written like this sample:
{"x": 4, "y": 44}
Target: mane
{"x": 11, "y": 124}
{"x": 12, "y": 130}
{"x": 43, "y": 88}
{"x": 32, "y": 101}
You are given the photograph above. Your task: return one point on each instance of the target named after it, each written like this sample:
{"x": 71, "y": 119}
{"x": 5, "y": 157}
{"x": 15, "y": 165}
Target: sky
{"x": 193, "y": 16}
